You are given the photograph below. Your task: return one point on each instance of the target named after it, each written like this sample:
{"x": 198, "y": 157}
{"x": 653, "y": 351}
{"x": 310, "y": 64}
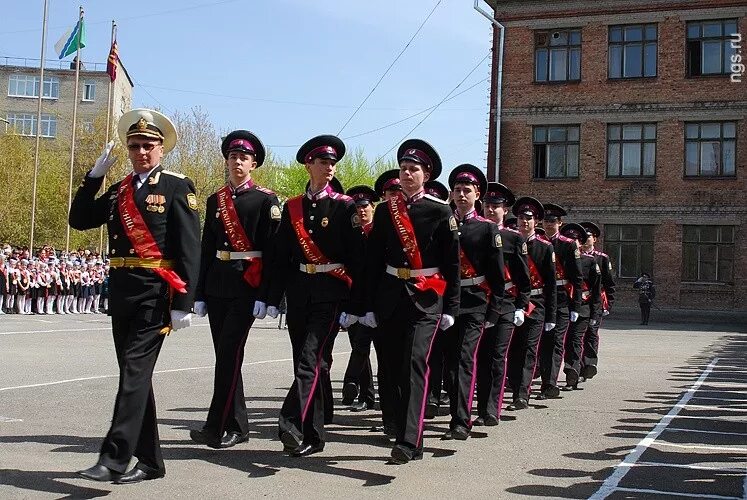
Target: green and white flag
{"x": 70, "y": 41}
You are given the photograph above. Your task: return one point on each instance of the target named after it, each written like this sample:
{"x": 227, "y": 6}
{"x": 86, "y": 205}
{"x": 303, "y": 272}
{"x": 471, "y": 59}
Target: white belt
{"x": 225, "y": 255}
{"x": 561, "y": 282}
{"x": 318, "y": 268}
{"x": 508, "y": 286}
{"x": 536, "y": 291}
{"x": 585, "y": 295}
{"x": 472, "y": 281}
{"x": 406, "y": 273}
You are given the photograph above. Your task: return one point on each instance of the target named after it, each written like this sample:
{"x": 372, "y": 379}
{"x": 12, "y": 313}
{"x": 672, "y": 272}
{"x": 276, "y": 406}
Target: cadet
{"x": 522, "y": 354}
{"x": 482, "y": 284}
{"x": 318, "y": 256}
{"x": 493, "y": 350}
{"x": 590, "y": 305}
{"x": 154, "y": 234}
{"x": 568, "y": 280}
{"x": 413, "y": 286}
{"x": 240, "y": 219}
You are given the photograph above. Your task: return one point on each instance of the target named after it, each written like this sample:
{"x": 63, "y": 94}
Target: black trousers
{"x": 312, "y": 329}
{"x": 590, "y": 345}
{"x": 522, "y": 357}
{"x": 552, "y": 345}
{"x": 438, "y": 379}
{"x": 408, "y": 339}
{"x": 645, "y": 312}
{"x": 134, "y": 428}
{"x": 574, "y": 344}
{"x": 492, "y": 357}
{"x": 464, "y": 339}
{"x": 359, "y": 371}
{"x": 230, "y": 321}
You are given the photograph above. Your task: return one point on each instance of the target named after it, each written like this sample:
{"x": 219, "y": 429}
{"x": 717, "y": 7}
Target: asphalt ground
{"x": 665, "y": 417}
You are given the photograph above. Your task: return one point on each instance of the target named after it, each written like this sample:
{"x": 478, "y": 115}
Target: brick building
{"x": 630, "y": 114}
{"x": 19, "y": 92}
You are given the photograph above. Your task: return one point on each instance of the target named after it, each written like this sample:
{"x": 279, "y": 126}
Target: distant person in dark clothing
{"x": 646, "y": 295}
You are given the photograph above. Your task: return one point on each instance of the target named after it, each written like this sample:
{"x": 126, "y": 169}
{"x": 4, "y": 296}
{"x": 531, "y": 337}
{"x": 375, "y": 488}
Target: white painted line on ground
{"x": 611, "y": 483}
{"x": 677, "y": 429}
{"x": 689, "y": 466}
{"x": 715, "y": 407}
{"x": 7, "y": 420}
{"x": 677, "y": 494}
{"x": 72, "y": 330}
{"x": 742, "y": 449}
{"x": 157, "y": 372}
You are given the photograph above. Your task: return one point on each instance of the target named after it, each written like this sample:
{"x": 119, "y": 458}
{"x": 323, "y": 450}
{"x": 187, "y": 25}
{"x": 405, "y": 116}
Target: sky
{"x": 292, "y": 69}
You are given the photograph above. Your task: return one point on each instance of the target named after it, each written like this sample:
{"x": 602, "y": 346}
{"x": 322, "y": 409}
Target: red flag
{"x": 111, "y": 63}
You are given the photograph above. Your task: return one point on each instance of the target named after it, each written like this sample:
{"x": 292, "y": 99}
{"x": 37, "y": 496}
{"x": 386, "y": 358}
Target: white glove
{"x": 606, "y": 312}
{"x": 488, "y": 324}
{"x": 573, "y": 316}
{"x": 347, "y": 319}
{"x": 368, "y": 320}
{"x": 447, "y": 322}
{"x": 272, "y": 312}
{"x": 518, "y": 317}
{"x": 260, "y": 309}
{"x": 180, "y": 319}
{"x": 200, "y": 308}
{"x": 593, "y": 322}
{"x": 549, "y": 326}
{"x": 104, "y": 162}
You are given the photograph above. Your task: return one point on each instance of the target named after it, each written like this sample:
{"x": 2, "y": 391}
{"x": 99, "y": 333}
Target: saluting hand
{"x": 104, "y": 162}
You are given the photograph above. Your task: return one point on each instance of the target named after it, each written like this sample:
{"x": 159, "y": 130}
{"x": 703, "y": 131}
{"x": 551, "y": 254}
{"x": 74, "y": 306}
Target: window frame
{"x": 621, "y": 141}
{"x": 725, "y": 41}
{"x": 699, "y": 140}
{"x": 547, "y": 143}
{"x": 50, "y": 82}
{"x": 569, "y": 48}
{"x": 610, "y": 238}
{"x": 624, "y": 43}
{"x": 699, "y": 244}
{"x": 86, "y": 85}
{"x": 48, "y": 121}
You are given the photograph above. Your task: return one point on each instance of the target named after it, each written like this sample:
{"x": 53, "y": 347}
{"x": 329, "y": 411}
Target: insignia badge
{"x": 142, "y": 124}
{"x": 356, "y": 220}
{"x": 325, "y": 222}
{"x": 161, "y": 209}
{"x": 498, "y": 241}
{"x": 275, "y": 212}
{"x": 452, "y": 223}
{"x": 553, "y": 256}
{"x": 192, "y": 201}
{"x": 524, "y": 250}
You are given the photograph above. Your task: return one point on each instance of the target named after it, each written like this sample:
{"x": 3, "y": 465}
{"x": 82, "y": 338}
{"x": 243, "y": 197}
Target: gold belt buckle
{"x": 311, "y": 268}
{"x": 224, "y": 255}
{"x": 403, "y": 273}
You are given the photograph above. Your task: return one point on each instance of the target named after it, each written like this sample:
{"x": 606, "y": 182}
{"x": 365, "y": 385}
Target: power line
{"x": 407, "y": 45}
{"x": 432, "y": 110}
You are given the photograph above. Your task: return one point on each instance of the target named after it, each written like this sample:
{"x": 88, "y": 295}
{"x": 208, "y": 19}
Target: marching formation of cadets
{"x": 457, "y": 304}
{"x": 48, "y": 285}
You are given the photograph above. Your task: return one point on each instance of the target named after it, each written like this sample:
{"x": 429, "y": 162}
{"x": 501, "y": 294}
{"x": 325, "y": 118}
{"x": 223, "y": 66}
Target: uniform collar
{"x": 144, "y": 176}
{"x": 245, "y": 186}
{"x": 323, "y": 193}
{"x": 416, "y": 197}
{"x": 469, "y": 215}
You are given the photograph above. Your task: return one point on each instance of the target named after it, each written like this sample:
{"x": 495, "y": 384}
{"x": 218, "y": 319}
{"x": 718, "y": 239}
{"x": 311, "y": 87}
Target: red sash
{"x": 605, "y": 301}
{"x": 513, "y": 291}
{"x": 139, "y": 234}
{"x": 310, "y": 249}
{"x": 406, "y": 233}
{"x": 469, "y": 271}
{"x": 560, "y": 275}
{"x": 237, "y": 236}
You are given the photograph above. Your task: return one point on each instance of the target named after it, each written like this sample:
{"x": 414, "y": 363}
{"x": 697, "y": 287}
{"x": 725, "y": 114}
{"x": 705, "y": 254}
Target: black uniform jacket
{"x": 259, "y": 212}
{"x": 333, "y": 224}
{"x": 176, "y": 230}
{"x": 481, "y": 242}
{"x": 608, "y": 282}
{"x": 567, "y": 267}
{"x": 438, "y": 241}
{"x": 545, "y": 304}
{"x": 591, "y": 306}
{"x": 515, "y": 257}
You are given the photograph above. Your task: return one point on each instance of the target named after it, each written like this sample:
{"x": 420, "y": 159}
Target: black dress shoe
{"x": 519, "y": 404}
{"x": 431, "y": 411}
{"x": 233, "y": 438}
{"x": 307, "y": 449}
{"x": 204, "y": 437}
{"x": 571, "y": 376}
{"x": 401, "y": 454}
{"x": 552, "y": 392}
{"x": 136, "y": 475}
{"x": 290, "y": 441}
{"x": 360, "y": 406}
{"x": 349, "y": 393}
{"x": 458, "y": 432}
{"x": 589, "y": 371}
{"x": 491, "y": 421}
{"x": 479, "y": 421}
{"x": 99, "y": 473}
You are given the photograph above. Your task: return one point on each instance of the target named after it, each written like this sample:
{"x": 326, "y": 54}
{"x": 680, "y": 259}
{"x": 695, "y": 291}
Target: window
{"x": 632, "y": 51}
{"x": 709, "y": 47}
{"x": 89, "y": 90}
{"x": 631, "y": 150}
{"x": 556, "y": 152}
{"x": 708, "y": 253}
{"x": 28, "y": 86}
{"x": 557, "y": 56}
{"x": 25, "y": 124}
{"x": 710, "y": 149}
{"x": 631, "y": 249}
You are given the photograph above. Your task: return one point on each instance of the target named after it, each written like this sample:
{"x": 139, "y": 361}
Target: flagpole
{"x": 38, "y": 128}
{"x": 75, "y": 117}
{"x": 108, "y": 131}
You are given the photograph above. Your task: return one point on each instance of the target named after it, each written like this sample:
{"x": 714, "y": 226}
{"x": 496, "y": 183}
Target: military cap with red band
{"x": 243, "y": 141}
{"x": 419, "y": 151}
{"x": 388, "y": 180}
{"x": 329, "y": 147}
{"x": 526, "y": 205}
{"x": 435, "y": 188}
{"x": 498, "y": 194}
{"x": 592, "y": 229}
{"x": 574, "y": 231}
{"x": 363, "y": 195}
{"x": 470, "y": 174}
{"x": 554, "y": 212}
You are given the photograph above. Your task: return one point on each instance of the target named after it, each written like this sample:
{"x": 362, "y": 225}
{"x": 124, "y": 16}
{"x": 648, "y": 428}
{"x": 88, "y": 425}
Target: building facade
{"x": 19, "y": 92}
{"x": 632, "y": 115}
